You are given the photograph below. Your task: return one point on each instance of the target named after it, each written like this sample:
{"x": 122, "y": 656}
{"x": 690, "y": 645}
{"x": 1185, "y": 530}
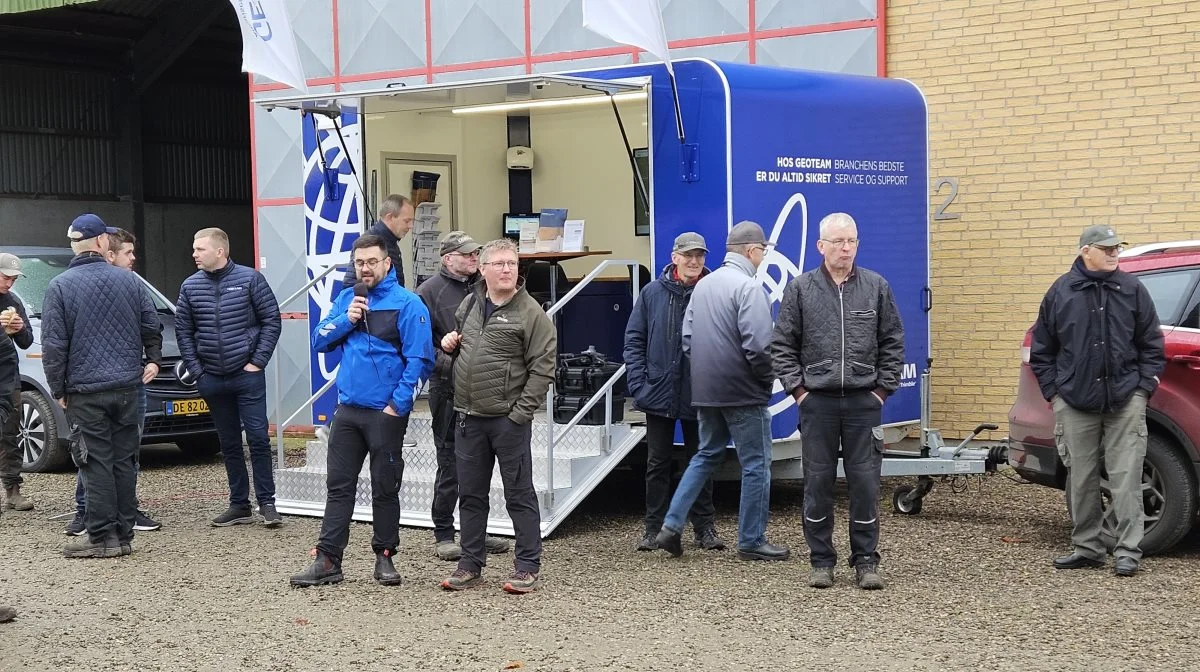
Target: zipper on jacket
{"x": 217, "y": 317}
{"x": 679, "y": 360}
{"x": 842, "y": 312}
{"x": 482, "y": 328}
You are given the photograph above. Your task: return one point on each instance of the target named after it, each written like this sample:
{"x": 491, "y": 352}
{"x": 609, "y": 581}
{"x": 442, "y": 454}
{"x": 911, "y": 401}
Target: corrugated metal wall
{"x": 196, "y": 143}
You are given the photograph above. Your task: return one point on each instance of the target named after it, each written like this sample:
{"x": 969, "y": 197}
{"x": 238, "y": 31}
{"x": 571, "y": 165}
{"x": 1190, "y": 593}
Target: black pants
{"x": 480, "y": 444}
{"x": 357, "y": 433}
{"x": 853, "y": 421}
{"x": 108, "y": 423}
{"x": 661, "y": 471}
{"x": 445, "y": 489}
{"x": 11, "y": 459}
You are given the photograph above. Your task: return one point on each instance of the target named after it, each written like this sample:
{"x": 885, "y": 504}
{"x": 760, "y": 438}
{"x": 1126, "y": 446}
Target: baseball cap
{"x": 746, "y": 233}
{"x": 1100, "y": 234}
{"x": 688, "y": 241}
{"x": 88, "y": 226}
{"x": 457, "y": 241}
{"x": 10, "y": 265}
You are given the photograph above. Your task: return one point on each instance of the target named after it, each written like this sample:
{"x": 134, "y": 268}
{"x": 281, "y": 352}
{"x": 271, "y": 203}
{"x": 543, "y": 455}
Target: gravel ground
{"x": 969, "y": 587}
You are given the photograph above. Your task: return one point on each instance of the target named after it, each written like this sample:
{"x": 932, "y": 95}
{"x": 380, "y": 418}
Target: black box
{"x": 567, "y": 405}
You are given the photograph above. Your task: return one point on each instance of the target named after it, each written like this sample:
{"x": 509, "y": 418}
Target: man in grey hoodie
{"x": 726, "y": 332}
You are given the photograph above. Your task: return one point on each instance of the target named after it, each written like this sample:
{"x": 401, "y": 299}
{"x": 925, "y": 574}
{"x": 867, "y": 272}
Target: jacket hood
{"x": 673, "y": 283}
{"x": 741, "y": 263}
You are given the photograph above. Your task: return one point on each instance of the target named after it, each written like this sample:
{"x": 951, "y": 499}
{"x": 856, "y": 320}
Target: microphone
{"x": 360, "y": 290}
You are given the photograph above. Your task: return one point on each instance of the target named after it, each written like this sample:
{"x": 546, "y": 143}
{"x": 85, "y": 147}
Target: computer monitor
{"x": 514, "y": 220}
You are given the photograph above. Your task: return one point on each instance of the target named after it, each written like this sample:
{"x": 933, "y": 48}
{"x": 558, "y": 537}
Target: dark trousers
{"x": 482, "y": 442}
{"x": 445, "y": 489}
{"x": 660, "y": 471}
{"x": 237, "y": 401}
{"x": 108, "y": 424}
{"x": 80, "y": 497}
{"x": 356, "y": 434}
{"x": 11, "y": 459}
{"x": 853, "y": 422}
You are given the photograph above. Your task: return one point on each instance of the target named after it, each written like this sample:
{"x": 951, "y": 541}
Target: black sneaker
{"x": 144, "y": 523}
{"x": 647, "y": 543}
{"x": 76, "y": 528}
{"x": 233, "y": 516}
{"x": 708, "y": 540}
{"x": 270, "y": 516}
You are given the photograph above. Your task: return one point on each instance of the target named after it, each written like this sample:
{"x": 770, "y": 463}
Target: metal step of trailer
{"x": 580, "y": 461}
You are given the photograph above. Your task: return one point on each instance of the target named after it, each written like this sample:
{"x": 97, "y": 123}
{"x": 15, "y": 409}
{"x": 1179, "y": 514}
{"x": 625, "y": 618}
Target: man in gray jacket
{"x": 726, "y": 332}
{"x": 838, "y": 349}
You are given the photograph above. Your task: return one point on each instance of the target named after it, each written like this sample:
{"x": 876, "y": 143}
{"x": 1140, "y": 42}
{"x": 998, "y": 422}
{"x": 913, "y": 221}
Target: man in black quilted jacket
{"x": 227, "y": 324}
{"x": 97, "y": 322}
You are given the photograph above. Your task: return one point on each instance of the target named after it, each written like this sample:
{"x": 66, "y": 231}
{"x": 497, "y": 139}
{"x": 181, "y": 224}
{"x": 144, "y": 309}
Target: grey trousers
{"x": 1119, "y": 439}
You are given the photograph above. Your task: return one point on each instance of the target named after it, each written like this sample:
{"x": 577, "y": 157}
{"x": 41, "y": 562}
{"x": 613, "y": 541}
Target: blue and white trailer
{"x": 729, "y": 142}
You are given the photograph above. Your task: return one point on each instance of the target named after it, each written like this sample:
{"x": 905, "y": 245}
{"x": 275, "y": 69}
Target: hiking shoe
{"x": 13, "y": 499}
{"x": 522, "y": 582}
{"x": 495, "y": 545}
{"x": 647, "y": 543}
{"x": 270, "y": 516}
{"x": 821, "y": 577}
{"x": 708, "y": 540}
{"x": 447, "y": 550}
{"x": 867, "y": 577}
{"x": 462, "y": 579}
{"x": 323, "y": 570}
{"x": 7, "y": 614}
{"x": 76, "y": 527}
{"x": 670, "y": 542}
{"x": 86, "y": 548}
{"x": 144, "y": 523}
{"x": 233, "y": 516}
{"x": 126, "y": 548}
{"x": 385, "y": 572}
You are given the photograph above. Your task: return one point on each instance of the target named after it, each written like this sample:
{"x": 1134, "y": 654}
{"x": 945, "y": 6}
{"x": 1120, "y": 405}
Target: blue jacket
{"x": 225, "y": 320}
{"x": 384, "y": 356}
{"x": 657, "y": 374}
{"x": 97, "y": 321}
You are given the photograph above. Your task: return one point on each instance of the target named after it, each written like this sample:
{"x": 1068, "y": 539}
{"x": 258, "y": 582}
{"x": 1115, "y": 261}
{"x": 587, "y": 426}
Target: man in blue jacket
{"x": 227, "y": 324}
{"x": 660, "y": 381}
{"x": 386, "y": 350}
{"x": 97, "y": 321}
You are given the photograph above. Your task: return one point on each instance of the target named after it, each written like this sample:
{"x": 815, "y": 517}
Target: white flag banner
{"x": 638, "y": 23}
{"x": 268, "y": 43}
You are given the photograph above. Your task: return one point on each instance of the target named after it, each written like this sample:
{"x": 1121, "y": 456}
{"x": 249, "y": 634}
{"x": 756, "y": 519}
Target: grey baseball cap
{"x": 688, "y": 241}
{"x": 457, "y": 241}
{"x": 746, "y": 233}
{"x": 1100, "y": 234}
{"x": 10, "y": 265}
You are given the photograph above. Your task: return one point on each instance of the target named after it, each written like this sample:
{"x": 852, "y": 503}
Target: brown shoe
{"x": 462, "y": 579}
{"x": 14, "y": 500}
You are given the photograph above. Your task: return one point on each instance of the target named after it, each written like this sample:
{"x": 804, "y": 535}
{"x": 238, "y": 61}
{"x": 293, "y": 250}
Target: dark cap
{"x": 87, "y": 226}
{"x": 746, "y": 233}
{"x": 688, "y": 241}
{"x": 1100, "y": 234}
{"x": 457, "y": 241}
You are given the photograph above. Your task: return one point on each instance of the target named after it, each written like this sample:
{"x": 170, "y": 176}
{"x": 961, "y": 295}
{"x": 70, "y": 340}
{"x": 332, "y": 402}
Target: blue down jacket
{"x": 225, "y": 320}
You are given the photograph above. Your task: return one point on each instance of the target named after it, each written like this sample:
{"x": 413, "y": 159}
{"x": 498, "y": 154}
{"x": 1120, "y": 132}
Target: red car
{"x": 1171, "y": 272}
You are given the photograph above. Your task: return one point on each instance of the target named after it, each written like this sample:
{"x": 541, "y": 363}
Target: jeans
{"x": 356, "y": 434}
{"x": 851, "y": 422}
{"x": 11, "y": 458}
{"x": 660, "y": 467}
{"x": 481, "y": 442}
{"x": 445, "y": 492}
{"x": 1118, "y": 441}
{"x": 80, "y": 497}
{"x": 750, "y": 429}
{"x": 108, "y": 424}
{"x": 237, "y": 401}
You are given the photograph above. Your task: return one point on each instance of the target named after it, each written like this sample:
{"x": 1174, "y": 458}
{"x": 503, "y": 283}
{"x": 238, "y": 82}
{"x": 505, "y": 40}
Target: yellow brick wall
{"x": 1053, "y": 115}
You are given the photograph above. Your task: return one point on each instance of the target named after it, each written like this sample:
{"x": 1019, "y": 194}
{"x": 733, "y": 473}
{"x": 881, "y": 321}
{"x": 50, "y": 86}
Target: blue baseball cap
{"x": 88, "y": 226}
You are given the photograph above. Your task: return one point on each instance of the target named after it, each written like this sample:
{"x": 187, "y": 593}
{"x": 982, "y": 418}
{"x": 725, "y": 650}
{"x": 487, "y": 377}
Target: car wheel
{"x": 38, "y": 435}
{"x": 1168, "y": 495}
{"x": 200, "y": 446}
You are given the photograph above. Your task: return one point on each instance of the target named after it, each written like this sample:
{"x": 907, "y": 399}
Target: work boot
{"x": 385, "y": 571}
{"x": 84, "y": 547}
{"x": 669, "y": 541}
{"x": 7, "y": 614}
{"x": 708, "y": 539}
{"x": 820, "y": 577}
{"x": 447, "y": 549}
{"x": 495, "y": 545}
{"x": 14, "y": 500}
{"x": 323, "y": 570}
{"x": 867, "y": 576}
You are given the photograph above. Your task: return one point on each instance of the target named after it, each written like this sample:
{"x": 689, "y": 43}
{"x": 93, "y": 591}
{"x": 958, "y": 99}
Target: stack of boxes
{"x": 425, "y": 235}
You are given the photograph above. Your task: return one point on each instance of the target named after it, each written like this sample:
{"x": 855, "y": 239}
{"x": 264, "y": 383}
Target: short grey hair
{"x": 392, "y": 205}
{"x": 89, "y": 245}
{"x": 499, "y": 245}
{"x": 739, "y": 248}
{"x": 837, "y": 220}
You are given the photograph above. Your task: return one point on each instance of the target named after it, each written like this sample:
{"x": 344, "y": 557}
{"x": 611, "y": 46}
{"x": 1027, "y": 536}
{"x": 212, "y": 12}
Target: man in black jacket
{"x": 443, "y": 294}
{"x": 97, "y": 322}
{"x": 396, "y": 215}
{"x": 1097, "y": 352}
{"x": 16, "y": 326}
{"x": 654, "y": 343}
{"x": 227, "y": 324}
{"x": 839, "y": 349}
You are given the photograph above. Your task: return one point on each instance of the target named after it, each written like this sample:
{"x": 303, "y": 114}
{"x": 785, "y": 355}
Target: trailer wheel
{"x": 903, "y": 504}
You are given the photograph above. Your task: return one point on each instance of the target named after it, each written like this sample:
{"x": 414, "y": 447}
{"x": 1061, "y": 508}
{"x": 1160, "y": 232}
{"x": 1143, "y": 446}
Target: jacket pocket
{"x": 1060, "y": 443}
{"x": 818, "y": 367}
{"x": 862, "y": 313}
{"x": 877, "y": 439}
{"x": 864, "y": 369}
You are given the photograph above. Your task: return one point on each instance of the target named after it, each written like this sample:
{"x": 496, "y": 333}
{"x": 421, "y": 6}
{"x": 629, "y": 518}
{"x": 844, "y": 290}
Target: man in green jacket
{"x": 505, "y": 353}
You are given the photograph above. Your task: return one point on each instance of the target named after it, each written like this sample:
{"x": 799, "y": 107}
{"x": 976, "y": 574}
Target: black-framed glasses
{"x": 367, "y": 263}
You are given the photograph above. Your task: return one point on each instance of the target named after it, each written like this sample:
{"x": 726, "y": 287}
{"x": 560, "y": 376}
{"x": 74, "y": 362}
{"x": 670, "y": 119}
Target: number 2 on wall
{"x": 940, "y": 211}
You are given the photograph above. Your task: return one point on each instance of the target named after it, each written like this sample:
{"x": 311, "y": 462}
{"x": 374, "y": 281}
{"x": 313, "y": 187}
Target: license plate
{"x": 185, "y": 407}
